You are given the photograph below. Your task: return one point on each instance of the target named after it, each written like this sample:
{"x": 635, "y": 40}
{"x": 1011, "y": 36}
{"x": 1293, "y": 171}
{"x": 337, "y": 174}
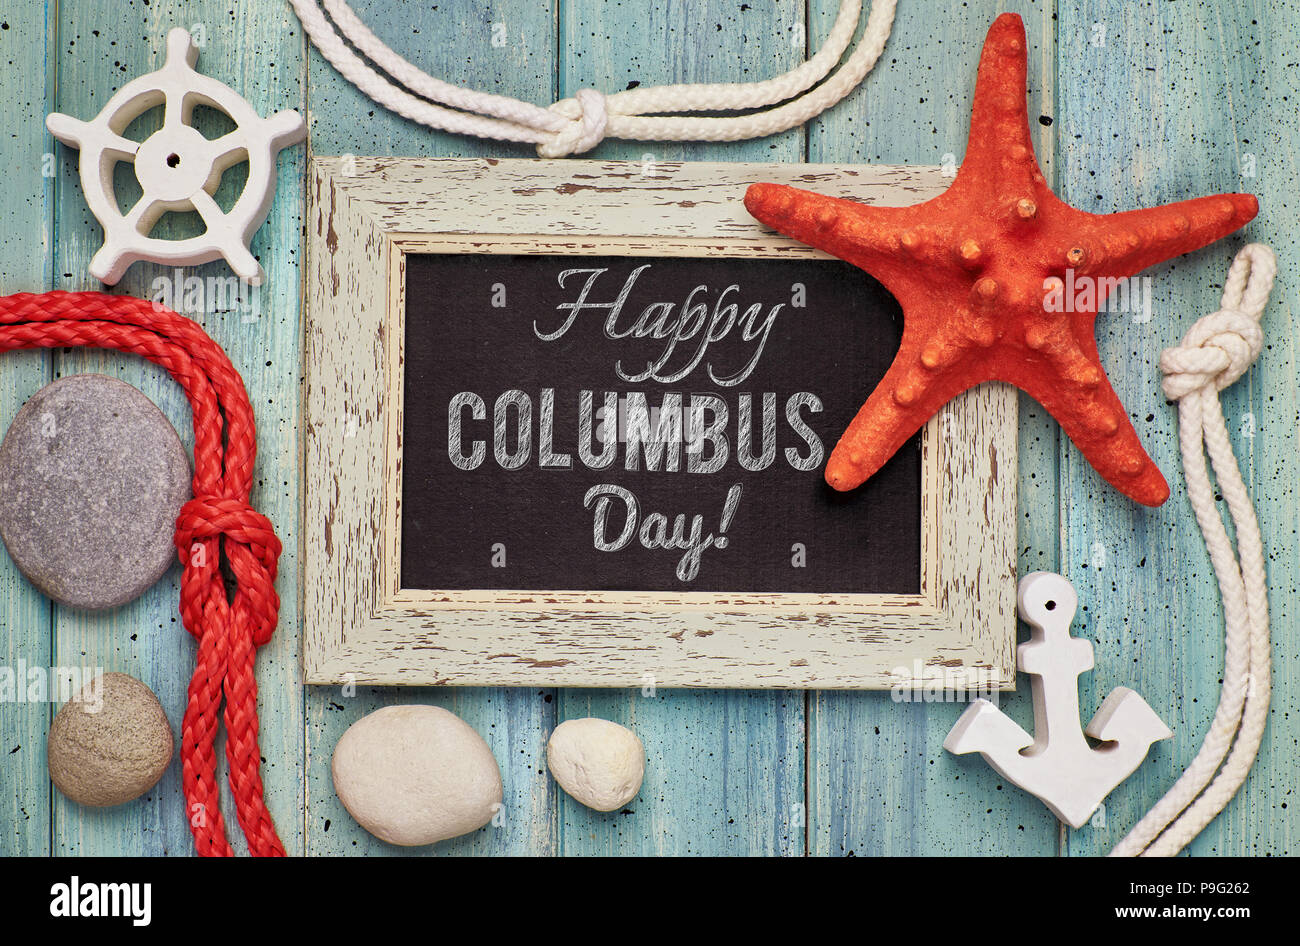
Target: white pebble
{"x": 414, "y": 775}
{"x": 599, "y": 763}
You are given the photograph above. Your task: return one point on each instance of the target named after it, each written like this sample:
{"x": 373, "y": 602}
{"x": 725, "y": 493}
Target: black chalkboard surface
{"x": 646, "y": 424}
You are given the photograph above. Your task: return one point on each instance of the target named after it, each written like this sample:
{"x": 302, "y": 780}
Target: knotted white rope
{"x": 1217, "y": 351}
{"x": 575, "y": 125}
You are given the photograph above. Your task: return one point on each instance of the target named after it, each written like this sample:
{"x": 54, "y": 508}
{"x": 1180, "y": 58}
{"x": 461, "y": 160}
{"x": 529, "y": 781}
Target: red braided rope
{"x": 218, "y": 519}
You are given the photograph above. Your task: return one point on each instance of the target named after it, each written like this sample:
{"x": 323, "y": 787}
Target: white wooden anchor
{"x": 1057, "y": 764}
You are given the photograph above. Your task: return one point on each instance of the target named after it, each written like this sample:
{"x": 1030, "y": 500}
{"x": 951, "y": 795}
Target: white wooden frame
{"x": 360, "y": 625}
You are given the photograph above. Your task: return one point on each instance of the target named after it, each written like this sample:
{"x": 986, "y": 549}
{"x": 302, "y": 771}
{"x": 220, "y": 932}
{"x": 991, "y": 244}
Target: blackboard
{"x": 435, "y": 288}
{"x": 499, "y": 493}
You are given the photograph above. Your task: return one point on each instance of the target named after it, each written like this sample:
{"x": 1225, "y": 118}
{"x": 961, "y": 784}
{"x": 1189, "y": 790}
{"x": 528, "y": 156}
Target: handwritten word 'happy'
{"x": 694, "y": 329}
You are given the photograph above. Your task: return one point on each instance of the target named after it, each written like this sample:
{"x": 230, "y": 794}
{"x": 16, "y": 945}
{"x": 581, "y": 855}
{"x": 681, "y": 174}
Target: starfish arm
{"x": 999, "y": 148}
{"x": 855, "y": 232}
{"x": 908, "y": 395}
{"x": 1076, "y": 392}
{"x": 1137, "y": 239}
{"x": 900, "y": 246}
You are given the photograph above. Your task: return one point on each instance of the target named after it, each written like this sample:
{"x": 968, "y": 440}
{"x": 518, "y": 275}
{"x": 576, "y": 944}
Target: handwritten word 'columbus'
{"x": 697, "y": 422}
{"x": 692, "y": 330}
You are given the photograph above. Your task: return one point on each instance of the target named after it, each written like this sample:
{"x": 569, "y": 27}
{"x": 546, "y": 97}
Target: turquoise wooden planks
{"x": 724, "y": 775}
{"x": 879, "y": 781}
{"x": 258, "y": 52}
{"x": 26, "y": 239}
{"x": 725, "y": 769}
{"x": 455, "y": 42}
{"x": 1174, "y": 101}
{"x": 1265, "y": 408}
{"x": 1161, "y": 103}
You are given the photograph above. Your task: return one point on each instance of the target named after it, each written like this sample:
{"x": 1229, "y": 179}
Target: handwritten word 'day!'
{"x": 690, "y": 330}
{"x": 654, "y": 531}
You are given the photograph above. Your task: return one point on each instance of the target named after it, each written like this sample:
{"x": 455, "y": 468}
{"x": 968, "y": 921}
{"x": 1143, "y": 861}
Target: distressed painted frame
{"x": 367, "y": 214}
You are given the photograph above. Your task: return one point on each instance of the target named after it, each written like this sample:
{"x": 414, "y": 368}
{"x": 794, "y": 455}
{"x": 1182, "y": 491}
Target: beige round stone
{"x": 599, "y": 763}
{"x": 111, "y": 743}
{"x": 414, "y": 775}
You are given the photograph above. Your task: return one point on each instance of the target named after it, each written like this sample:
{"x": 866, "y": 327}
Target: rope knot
{"x": 252, "y": 550}
{"x": 1222, "y": 346}
{"x": 588, "y": 117}
{"x": 1218, "y": 350}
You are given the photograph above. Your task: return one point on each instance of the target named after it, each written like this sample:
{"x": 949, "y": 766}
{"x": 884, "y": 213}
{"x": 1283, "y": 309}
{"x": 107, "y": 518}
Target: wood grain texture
{"x": 1167, "y": 109}
{"x": 26, "y": 243}
{"x": 253, "y": 50}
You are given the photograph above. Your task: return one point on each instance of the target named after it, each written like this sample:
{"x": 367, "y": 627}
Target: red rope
{"x": 218, "y": 519}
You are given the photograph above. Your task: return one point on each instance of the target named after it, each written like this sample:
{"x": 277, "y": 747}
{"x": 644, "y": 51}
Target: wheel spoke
{"x": 143, "y": 215}
{"x": 212, "y": 214}
{"x": 228, "y": 149}
{"x": 121, "y": 146}
{"x": 174, "y": 108}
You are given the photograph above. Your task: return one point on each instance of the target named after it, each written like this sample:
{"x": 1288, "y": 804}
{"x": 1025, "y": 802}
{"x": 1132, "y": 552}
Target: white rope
{"x": 575, "y": 125}
{"x": 1217, "y": 351}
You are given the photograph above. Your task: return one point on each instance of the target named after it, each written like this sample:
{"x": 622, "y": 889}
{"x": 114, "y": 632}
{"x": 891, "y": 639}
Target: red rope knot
{"x": 218, "y": 524}
{"x": 251, "y": 548}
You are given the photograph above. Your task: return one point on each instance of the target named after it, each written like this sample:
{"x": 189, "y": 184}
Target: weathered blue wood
{"x": 879, "y": 781}
{"x": 1266, "y": 820}
{"x": 26, "y": 224}
{"x": 725, "y": 769}
{"x": 452, "y": 41}
{"x": 251, "y": 48}
{"x": 1168, "y": 108}
{"x": 724, "y": 774}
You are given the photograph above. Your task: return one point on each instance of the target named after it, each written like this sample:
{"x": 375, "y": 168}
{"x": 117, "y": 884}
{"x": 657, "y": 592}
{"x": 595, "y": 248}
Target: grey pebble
{"x": 109, "y": 744}
{"x": 92, "y": 477}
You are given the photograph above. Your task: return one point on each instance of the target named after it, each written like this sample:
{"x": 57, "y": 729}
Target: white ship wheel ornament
{"x": 177, "y": 167}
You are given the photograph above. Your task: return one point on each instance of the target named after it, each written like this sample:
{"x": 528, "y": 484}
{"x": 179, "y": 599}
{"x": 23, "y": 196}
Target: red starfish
{"x": 973, "y": 270}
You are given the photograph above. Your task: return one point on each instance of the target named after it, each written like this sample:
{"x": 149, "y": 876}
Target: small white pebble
{"x": 601, "y": 764}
